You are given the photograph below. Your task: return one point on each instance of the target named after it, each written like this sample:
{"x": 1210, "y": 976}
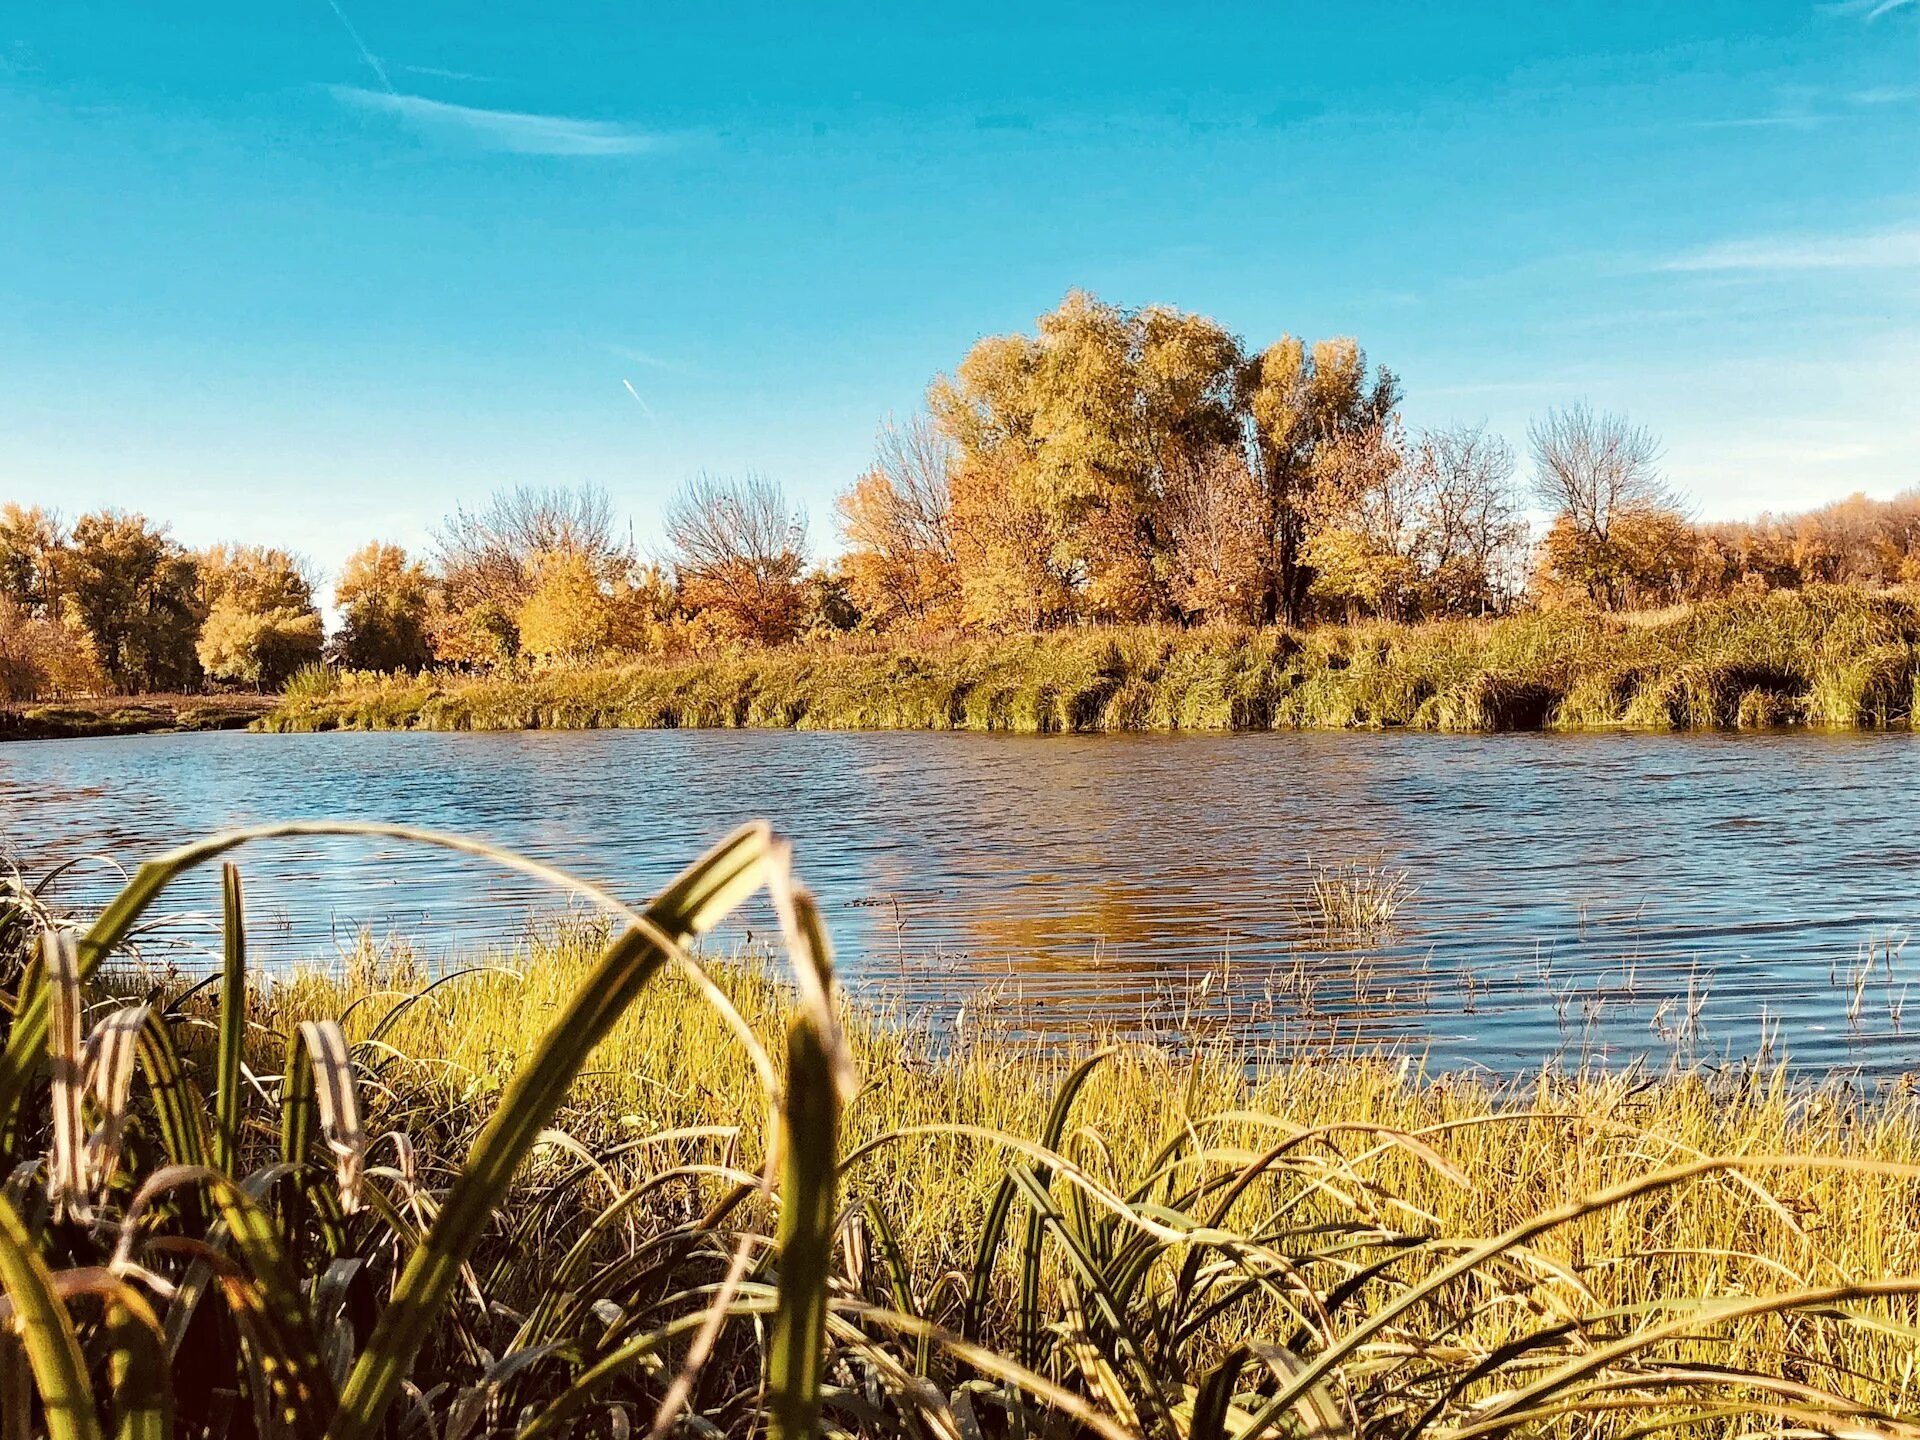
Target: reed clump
{"x": 1834, "y": 657}
{"x": 591, "y": 1185}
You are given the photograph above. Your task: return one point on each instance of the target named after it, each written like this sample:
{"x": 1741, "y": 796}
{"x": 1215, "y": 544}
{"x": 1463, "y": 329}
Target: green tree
{"x": 384, "y": 600}
{"x": 135, "y": 591}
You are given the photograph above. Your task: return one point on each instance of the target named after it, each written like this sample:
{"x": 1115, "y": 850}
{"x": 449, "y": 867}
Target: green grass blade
{"x": 46, "y": 1330}
{"x": 797, "y": 1344}
{"x": 899, "y": 1275}
{"x": 1048, "y": 1213}
{"x": 228, "y": 1100}
{"x": 337, "y": 1101}
{"x": 67, "y": 1164}
{"x": 980, "y": 1288}
{"x": 1213, "y": 1401}
{"x": 622, "y": 1359}
{"x": 141, "y": 1389}
{"x": 264, "y": 1293}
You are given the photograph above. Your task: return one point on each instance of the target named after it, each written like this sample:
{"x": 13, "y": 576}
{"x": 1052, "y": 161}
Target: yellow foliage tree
{"x": 384, "y": 599}
{"x": 568, "y": 616}
{"x": 1068, "y": 443}
{"x": 43, "y": 658}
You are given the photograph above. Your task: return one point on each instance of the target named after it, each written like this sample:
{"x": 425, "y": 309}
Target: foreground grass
{"x": 1490, "y": 1156}
{"x": 977, "y": 1238}
{"x": 1833, "y": 657}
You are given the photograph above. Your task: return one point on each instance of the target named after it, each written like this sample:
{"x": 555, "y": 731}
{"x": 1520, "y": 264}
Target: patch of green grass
{"x": 1837, "y": 658}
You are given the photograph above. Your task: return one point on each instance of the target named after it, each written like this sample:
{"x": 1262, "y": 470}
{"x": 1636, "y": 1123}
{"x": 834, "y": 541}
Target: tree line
{"x": 1116, "y": 466}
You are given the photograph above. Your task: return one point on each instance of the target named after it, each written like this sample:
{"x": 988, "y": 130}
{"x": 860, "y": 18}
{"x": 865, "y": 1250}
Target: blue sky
{"x": 311, "y": 274}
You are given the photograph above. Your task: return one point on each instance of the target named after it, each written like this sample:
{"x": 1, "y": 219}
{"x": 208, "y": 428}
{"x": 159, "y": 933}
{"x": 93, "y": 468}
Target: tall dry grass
{"x": 1823, "y": 657}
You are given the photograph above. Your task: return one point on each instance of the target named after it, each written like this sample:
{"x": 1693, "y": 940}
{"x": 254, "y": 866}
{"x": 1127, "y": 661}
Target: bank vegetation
{"x": 1823, "y": 657}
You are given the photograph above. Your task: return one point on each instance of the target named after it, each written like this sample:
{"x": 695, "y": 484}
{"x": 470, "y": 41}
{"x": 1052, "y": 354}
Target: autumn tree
{"x": 569, "y": 615}
{"x": 827, "y": 603}
{"x": 1069, "y": 443}
{"x": 1362, "y": 555}
{"x": 135, "y": 591}
{"x": 644, "y": 614}
{"x": 44, "y": 646}
{"x": 489, "y": 562}
{"x": 43, "y": 657}
{"x": 1305, "y": 408}
{"x": 897, "y": 521}
{"x": 739, "y": 552}
{"x": 261, "y": 623}
{"x": 34, "y": 553}
{"x": 1415, "y": 528}
{"x": 384, "y": 600}
{"x": 1215, "y": 539}
{"x": 1472, "y": 533}
{"x": 1599, "y": 476}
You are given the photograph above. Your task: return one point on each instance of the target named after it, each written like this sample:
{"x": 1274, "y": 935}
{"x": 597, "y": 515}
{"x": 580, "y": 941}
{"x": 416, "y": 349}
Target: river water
{"x": 1572, "y": 899}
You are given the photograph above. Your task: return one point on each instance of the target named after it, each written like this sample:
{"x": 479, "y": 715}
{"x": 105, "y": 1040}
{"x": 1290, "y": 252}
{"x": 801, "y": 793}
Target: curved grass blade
{"x": 997, "y": 1212}
{"x": 621, "y": 1360}
{"x": 338, "y": 1103}
{"x": 264, "y": 1294}
{"x": 141, "y": 1385}
{"x": 1213, "y": 1401}
{"x": 702, "y": 894}
{"x": 28, "y": 1035}
{"x": 1047, "y": 1213}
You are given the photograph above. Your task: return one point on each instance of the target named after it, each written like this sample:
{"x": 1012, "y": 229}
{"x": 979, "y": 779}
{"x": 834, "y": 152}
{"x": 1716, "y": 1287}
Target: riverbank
{"x": 131, "y": 715}
{"x": 1831, "y": 658}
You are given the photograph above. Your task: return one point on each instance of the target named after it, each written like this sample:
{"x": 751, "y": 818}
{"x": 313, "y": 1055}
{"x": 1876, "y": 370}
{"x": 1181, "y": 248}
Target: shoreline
{"x": 1833, "y": 659}
{"x": 114, "y": 715}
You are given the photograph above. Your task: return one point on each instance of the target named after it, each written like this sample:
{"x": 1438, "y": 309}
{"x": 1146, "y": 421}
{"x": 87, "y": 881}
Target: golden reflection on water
{"x": 1609, "y": 896}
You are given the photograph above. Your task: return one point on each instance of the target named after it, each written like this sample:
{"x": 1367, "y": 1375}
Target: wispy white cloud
{"x": 434, "y": 72}
{"x": 1870, "y": 9}
{"x": 1895, "y": 249}
{"x": 647, "y": 358}
{"x": 517, "y": 132}
{"x": 1764, "y": 122}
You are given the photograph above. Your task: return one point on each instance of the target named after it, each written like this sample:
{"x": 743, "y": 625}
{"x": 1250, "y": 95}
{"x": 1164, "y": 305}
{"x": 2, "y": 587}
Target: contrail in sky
{"x": 365, "y": 54}
{"x": 643, "y": 404}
